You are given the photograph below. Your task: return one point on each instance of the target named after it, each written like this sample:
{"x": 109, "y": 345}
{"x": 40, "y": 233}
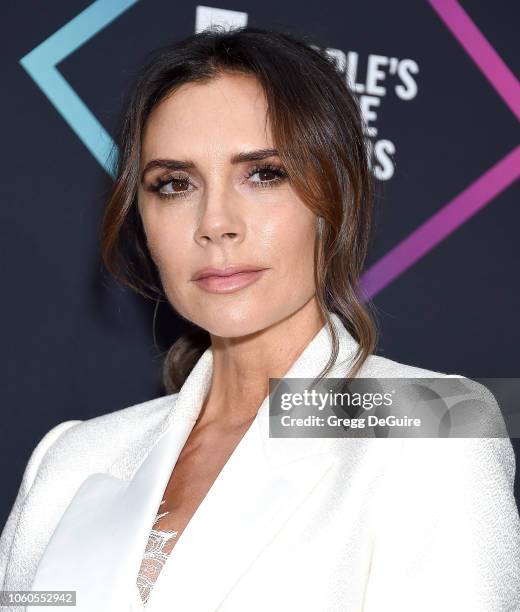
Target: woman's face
{"x": 201, "y": 207}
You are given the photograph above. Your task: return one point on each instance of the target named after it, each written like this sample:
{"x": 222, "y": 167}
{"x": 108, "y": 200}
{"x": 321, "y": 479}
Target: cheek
{"x": 166, "y": 244}
{"x": 171, "y": 257}
{"x": 291, "y": 241}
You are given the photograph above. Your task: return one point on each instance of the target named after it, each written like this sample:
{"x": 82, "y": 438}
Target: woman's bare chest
{"x": 198, "y": 466}
{"x": 189, "y": 483}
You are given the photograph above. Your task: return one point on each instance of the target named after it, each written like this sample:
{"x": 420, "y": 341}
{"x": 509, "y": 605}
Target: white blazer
{"x": 313, "y": 525}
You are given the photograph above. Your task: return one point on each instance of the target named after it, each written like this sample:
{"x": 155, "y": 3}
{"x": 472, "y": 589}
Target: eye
{"x": 275, "y": 174}
{"x": 171, "y": 187}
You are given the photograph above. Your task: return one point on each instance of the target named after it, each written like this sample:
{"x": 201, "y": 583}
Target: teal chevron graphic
{"x": 41, "y": 64}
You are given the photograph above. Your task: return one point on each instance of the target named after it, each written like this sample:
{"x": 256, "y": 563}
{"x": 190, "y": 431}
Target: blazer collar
{"x": 97, "y": 546}
{"x": 186, "y": 405}
{"x": 311, "y": 360}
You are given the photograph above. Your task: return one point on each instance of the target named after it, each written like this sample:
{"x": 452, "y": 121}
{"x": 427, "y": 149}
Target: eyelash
{"x": 277, "y": 170}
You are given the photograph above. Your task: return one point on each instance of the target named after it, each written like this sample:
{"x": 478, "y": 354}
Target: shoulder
{"x": 96, "y": 441}
{"x": 377, "y": 365}
{"x": 467, "y": 404}
{"x": 140, "y": 416}
{"x": 40, "y": 451}
{"x": 482, "y": 457}
{"x": 464, "y": 396}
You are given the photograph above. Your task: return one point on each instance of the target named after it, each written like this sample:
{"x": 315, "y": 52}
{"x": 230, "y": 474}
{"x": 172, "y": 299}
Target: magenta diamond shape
{"x": 480, "y": 192}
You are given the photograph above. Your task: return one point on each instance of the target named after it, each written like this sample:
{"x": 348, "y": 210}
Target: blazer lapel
{"x": 97, "y": 546}
{"x": 265, "y": 481}
{"x": 102, "y": 533}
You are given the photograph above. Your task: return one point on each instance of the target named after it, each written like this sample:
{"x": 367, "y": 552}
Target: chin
{"x": 233, "y": 322}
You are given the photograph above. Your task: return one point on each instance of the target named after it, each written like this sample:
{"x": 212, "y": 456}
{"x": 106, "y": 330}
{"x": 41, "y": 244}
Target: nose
{"x": 220, "y": 220}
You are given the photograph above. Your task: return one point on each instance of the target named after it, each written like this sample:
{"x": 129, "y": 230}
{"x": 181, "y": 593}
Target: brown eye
{"x": 172, "y": 187}
{"x": 262, "y": 175}
{"x": 268, "y": 175}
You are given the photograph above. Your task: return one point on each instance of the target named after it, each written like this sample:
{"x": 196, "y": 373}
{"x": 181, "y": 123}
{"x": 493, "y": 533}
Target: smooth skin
{"x": 217, "y": 213}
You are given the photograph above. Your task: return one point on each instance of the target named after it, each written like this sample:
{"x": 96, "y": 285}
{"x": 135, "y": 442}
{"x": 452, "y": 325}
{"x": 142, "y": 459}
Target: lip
{"x": 227, "y": 271}
{"x": 227, "y": 280}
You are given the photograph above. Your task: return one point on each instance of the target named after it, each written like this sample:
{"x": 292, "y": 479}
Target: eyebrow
{"x": 177, "y": 164}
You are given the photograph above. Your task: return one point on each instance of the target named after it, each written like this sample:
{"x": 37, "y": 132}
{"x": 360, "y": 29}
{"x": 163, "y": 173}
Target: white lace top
{"x": 154, "y": 558}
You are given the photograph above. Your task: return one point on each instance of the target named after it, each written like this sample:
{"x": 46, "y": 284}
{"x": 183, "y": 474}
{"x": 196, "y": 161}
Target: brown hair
{"x": 318, "y": 130}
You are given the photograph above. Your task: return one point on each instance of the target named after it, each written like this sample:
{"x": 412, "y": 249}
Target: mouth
{"x": 228, "y": 280}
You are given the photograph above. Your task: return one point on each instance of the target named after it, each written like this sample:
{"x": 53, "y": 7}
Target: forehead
{"x": 223, "y": 115}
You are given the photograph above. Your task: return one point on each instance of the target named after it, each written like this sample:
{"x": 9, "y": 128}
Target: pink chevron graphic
{"x": 481, "y": 52}
{"x": 480, "y": 192}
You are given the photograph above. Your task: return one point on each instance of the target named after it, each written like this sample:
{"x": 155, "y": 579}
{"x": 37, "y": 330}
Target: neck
{"x": 242, "y": 366}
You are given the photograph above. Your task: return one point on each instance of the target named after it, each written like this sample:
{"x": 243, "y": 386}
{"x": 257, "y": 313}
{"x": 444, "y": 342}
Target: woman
{"x": 243, "y": 197}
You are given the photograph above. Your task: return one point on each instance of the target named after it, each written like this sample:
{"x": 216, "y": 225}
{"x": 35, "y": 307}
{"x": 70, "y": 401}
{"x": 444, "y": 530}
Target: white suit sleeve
{"x": 31, "y": 469}
{"x": 448, "y": 534}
